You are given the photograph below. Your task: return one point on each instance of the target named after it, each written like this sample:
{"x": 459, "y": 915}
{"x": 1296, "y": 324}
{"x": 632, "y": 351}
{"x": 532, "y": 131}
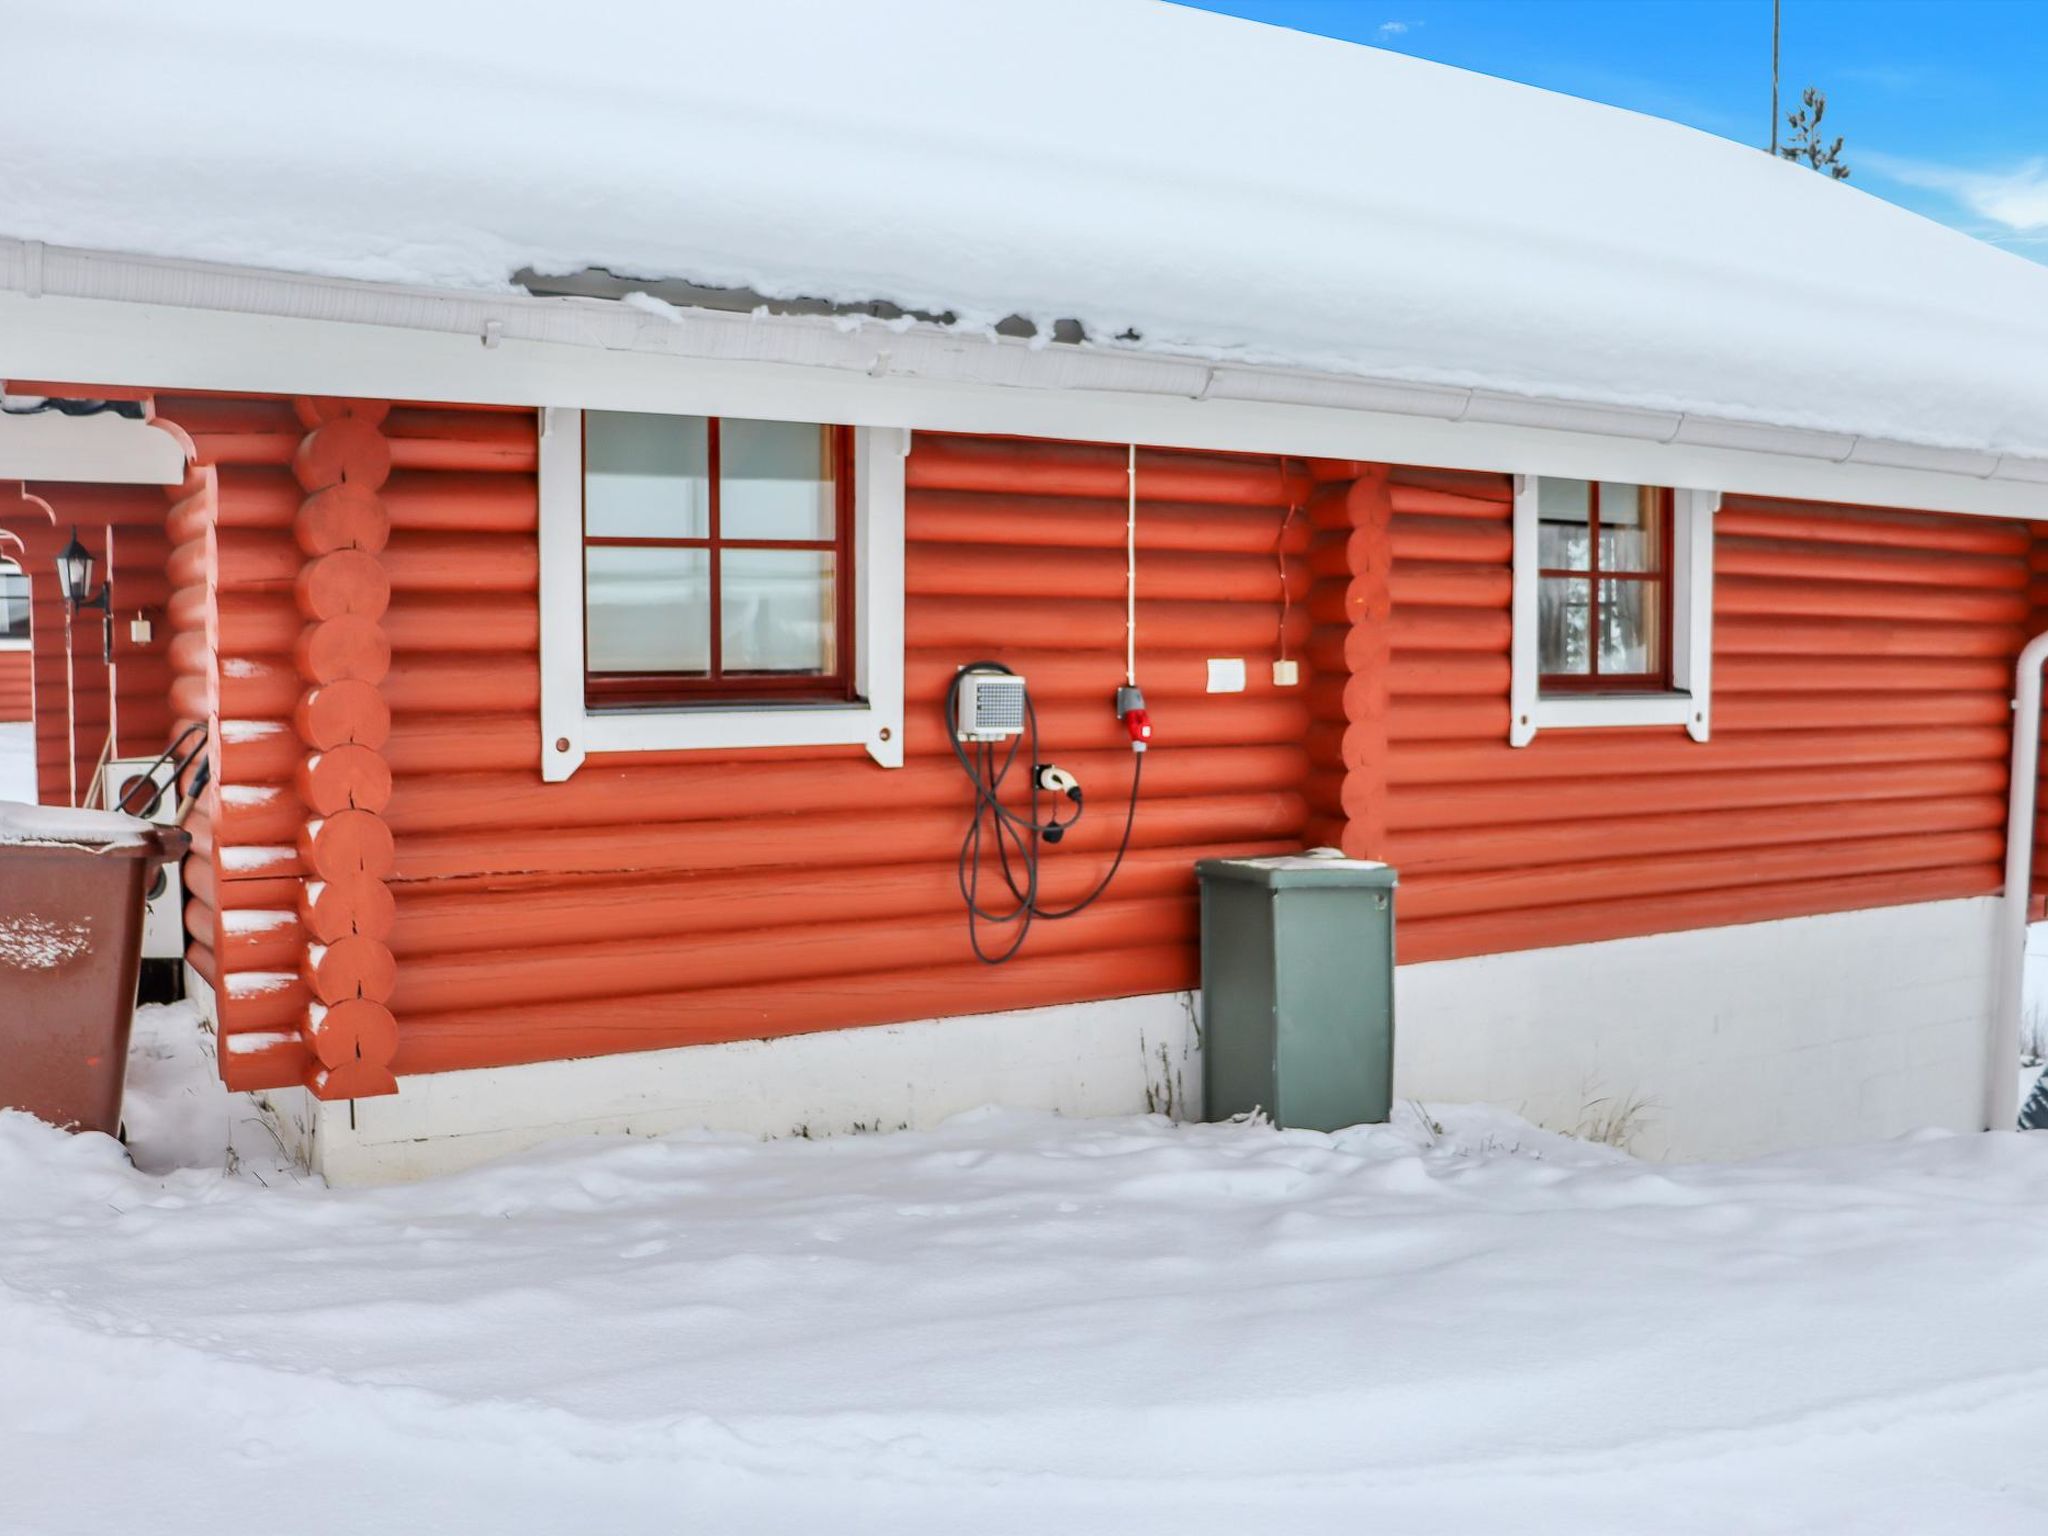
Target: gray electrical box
{"x": 1298, "y": 989}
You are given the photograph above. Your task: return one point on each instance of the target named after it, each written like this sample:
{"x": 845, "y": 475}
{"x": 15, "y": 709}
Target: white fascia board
{"x": 106, "y": 449}
{"x": 168, "y": 325}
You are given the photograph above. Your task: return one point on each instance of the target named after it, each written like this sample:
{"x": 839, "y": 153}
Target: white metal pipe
{"x": 113, "y": 669}
{"x": 70, "y": 707}
{"x": 2002, "y": 1080}
{"x": 1131, "y": 569}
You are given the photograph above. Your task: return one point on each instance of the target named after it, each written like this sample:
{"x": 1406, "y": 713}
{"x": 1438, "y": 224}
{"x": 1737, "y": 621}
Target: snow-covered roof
{"x": 1213, "y": 187}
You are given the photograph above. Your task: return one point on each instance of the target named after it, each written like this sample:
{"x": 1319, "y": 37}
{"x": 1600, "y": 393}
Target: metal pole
{"x": 1775, "y": 4}
{"x": 70, "y": 706}
{"x": 2002, "y": 1085}
{"x": 107, "y": 653}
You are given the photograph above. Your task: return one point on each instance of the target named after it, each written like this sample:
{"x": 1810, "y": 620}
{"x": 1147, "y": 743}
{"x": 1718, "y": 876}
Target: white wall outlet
{"x": 1226, "y": 674}
{"x": 139, "y": 630}
{"x": 1286, "y": 673}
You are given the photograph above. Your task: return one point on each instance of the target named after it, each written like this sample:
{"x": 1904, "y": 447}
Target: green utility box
{"x": 1298, "y": 989}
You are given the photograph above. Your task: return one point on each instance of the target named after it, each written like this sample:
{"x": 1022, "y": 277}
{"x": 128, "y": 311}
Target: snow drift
{"x": 1016, "y": 1323}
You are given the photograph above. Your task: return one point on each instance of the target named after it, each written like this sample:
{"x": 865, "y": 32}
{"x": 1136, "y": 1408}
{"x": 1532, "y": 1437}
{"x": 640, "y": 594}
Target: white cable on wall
{"x": 1131, "y": 572}
{"x": 1280, "y": 560}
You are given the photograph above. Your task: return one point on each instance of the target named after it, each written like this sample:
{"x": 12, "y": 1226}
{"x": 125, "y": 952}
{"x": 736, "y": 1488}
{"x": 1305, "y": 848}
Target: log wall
{"x": 1862, "y": 668}
{"x": 329, "y": 560}
{"x": 348, "y": 599}
{"x": 657, "y": 900}
{"x": 235, "y": 623}
{"x": 17, "y": 684}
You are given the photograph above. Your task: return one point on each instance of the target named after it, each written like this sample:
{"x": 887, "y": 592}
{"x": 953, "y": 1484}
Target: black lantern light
{"x": 74, "y": 579}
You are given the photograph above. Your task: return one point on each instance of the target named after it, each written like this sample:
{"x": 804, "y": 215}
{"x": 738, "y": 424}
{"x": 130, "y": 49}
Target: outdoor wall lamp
{"x": 74, "y": 583}
{"x": 74, "y": 580}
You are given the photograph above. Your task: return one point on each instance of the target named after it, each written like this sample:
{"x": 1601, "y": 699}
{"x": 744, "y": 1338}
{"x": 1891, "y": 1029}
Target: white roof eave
{"x": 151, "y": 341}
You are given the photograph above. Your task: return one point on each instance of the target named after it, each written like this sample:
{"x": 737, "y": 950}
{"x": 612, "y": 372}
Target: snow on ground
{"x": 1016, "y": 1323}
{"x": 18, "y": 760}
{"x": 177, "y": 1113}
{"x": 1221, "y": 189}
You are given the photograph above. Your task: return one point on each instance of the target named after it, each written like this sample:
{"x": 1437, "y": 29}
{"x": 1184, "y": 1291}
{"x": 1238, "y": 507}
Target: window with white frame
{"x": 1613, "y": 606}
{"x": 717, "y": 582}
{"x": 14, "y": 632}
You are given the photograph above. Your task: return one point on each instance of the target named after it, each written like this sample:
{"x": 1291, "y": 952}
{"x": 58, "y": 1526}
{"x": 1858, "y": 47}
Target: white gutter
{"x": 921, "y": 350}
{"x": 2002, "y": 1083}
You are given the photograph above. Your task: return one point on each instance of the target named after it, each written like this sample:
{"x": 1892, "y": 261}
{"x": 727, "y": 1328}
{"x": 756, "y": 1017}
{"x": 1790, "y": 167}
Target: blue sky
{"x": 1941, "y": 103}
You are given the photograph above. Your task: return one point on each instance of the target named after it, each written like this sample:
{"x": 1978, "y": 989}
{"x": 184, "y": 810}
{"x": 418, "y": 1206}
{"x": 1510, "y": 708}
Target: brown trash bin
{"x": 72, "y": 889}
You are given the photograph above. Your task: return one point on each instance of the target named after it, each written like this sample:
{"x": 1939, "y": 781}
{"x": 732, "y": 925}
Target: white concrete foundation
{"x": 1123, "y": 1056}
{"x": 1716, "y": 1043}
{"x": 1720, "y": 1042}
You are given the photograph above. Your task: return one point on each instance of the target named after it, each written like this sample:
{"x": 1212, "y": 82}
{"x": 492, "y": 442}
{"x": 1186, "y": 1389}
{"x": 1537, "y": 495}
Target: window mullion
{"x": 715, "y": 574}
{"x": 843, "y": 589}
{"x": 1667, "y": 615}
{"x": 1593, "y": 580}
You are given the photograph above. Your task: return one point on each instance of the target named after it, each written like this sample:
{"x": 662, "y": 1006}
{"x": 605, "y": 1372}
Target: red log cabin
{"x": 573, "y": 662}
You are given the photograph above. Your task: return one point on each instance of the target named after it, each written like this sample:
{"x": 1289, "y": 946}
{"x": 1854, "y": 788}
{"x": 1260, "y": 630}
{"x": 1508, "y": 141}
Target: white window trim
{"x": 1690, "y": 702}
{"x": 9, "y": 563}
{"x": 569, "y": 732}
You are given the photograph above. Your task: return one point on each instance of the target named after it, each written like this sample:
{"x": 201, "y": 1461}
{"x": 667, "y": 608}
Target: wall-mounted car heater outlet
{"x": 986, "y": 703}
{"x": 989, "y": 706}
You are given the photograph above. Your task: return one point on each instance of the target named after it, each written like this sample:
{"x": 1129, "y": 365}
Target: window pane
{"x": 779, "y": 611}
{"x": 1562, "y": 513}
{"x": 13, "y": 602}
{"x": 1563, "y": 613}
{"x": 1630, "y": 629}
{"x": 647, "y": 610}
{"x": 645, "y": 476}
{"x": 1631, "y": 527}
{"x": 775, "y": 480}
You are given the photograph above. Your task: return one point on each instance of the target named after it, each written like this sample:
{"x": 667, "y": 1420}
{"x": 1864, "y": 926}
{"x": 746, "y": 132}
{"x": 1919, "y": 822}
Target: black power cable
{"x": 1017, "y": 838}
{"x": 176, "y": 754}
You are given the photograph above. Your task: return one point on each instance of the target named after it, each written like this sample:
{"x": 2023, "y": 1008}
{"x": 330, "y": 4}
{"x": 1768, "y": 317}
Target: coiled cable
{"x": 1017, "y": 838}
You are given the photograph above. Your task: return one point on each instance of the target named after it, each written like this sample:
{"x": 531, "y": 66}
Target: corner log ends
{"x": 343, "y": 724}
{"x": 1351, "y": 605}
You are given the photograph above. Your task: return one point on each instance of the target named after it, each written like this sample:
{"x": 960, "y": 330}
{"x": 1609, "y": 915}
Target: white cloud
{"x": 2016, "y": 199}
{"x": 1396, "y": 28}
